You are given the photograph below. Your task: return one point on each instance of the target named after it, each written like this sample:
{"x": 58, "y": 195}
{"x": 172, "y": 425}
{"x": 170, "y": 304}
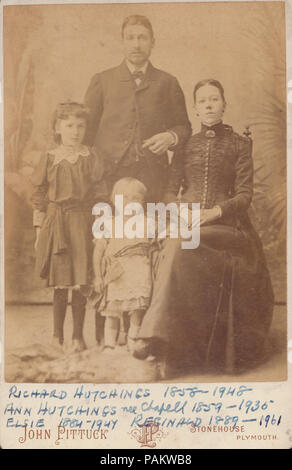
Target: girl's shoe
{"x": 57, "y": 344}
{"x": 78, "y": 345}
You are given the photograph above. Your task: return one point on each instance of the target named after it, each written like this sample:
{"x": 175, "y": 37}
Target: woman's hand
{"x": 190, "y": 218}
{"x": 38, "y": 229}
{"x": 210, "y": 215}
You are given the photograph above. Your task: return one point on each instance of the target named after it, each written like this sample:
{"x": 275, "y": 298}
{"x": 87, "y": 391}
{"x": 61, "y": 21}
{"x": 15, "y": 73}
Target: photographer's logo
{"x": 148, "y": 434}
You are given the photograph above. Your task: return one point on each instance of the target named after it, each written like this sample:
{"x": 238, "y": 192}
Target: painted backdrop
{"x": 51, "y": 52}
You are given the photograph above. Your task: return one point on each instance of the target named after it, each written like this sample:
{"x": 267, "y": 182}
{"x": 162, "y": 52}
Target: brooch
{"x": 210, "y": 134}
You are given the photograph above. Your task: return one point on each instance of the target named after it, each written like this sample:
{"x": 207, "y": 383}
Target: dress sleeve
{"x": 94, "y": 102}
{"x": 100, "y": 191}
{"x": 174, "y": 178}
{"x": 40, "y": 188}
{"x": 243, "y": 180}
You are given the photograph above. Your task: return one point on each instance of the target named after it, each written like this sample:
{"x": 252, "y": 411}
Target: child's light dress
{"x": 127, "y": 270}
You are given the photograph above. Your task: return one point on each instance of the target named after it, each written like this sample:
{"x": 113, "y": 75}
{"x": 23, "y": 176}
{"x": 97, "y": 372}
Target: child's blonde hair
{"x": 130, "y": 187}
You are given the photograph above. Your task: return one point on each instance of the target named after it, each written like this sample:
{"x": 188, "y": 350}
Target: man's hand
{"x": 159, "y": 143}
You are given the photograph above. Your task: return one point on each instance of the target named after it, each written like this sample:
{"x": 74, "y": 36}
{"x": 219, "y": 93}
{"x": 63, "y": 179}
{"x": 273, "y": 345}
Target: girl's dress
{"x": 213, "y": 305}
{"x": 127, "y": 273}
{"x": 67, "y": 183}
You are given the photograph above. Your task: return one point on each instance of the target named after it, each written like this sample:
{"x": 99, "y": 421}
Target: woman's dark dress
{"x": 65, "y": 190}
{"x": 213, "y": 305}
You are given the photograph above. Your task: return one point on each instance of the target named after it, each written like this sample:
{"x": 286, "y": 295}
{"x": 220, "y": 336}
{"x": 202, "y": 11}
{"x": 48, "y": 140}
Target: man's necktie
{"x": 138, "y": 76}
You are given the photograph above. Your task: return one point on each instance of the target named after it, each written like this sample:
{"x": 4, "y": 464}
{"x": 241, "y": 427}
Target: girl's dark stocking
{"x": 59, "y": 309}
{"x": 78, "y": 313}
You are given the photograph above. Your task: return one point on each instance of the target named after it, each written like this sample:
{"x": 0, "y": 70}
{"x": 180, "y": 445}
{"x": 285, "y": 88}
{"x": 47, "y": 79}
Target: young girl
{"x": 67, "y": 183}
{"x": 123, "y": 272}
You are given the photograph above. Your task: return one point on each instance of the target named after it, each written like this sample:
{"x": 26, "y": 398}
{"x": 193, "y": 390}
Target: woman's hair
{"x": 130, "y": 187}
{"x": 209, "y": 81}
{"x": 137, "y": 20}
{"x": 65, "y": 110}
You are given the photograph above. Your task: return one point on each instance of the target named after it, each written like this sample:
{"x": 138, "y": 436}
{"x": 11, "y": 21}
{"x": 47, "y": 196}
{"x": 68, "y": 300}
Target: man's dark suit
{"x": 123, "y": 115}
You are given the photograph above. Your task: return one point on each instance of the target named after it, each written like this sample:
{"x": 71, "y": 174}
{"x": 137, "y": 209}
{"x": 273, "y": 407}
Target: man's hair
{"x": 137, "y": 20}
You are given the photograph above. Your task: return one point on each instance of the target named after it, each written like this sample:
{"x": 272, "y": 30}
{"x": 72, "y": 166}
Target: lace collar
{"x": 68, "y": 153}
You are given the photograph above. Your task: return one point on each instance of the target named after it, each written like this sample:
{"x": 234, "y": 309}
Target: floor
{"x": 27, "y": 325}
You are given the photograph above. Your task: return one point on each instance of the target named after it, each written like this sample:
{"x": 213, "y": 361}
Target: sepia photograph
{"x": 145, "y": 192}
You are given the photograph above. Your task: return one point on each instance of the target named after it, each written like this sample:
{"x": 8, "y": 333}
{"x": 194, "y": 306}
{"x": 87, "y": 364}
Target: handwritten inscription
{"x": 85, "y": 407}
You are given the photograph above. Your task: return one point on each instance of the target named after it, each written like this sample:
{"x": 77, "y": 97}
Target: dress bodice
{"x": 215, "y": 168}
{"x": 62, "y": 177}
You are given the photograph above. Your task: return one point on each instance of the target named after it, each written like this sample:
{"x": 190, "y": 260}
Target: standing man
{"x": 138, "y": 113}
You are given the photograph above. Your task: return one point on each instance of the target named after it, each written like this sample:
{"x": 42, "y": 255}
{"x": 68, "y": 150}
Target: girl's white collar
{"x": 69, "y": 153}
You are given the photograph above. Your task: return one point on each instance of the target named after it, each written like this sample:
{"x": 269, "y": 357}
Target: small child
{"x": 67, "y": 183}
{"x": 123, "y": 272}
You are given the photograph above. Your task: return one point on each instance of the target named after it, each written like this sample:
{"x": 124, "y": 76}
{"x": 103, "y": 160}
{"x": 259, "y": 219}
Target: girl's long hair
{"x": 66, "y": 109}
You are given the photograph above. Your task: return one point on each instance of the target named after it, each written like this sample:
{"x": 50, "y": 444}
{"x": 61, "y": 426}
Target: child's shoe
{"x": 122, "y": 339}
{"x": 131, "y": 343}
{"x": 133, "y": 335}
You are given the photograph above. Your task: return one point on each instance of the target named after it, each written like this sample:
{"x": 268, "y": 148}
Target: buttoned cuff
{"x": 220, "y": 211}
{"x": 38, "y": 218}
{"x": 175, "y": 138}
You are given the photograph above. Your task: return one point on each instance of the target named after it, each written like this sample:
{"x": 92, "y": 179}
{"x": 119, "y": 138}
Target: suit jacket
{"x": 118, "y": 107}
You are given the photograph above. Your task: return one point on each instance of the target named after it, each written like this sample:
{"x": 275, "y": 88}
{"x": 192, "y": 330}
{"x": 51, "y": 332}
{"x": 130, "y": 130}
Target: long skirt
{"x": 211, "y": 306}
{"x": 64, "y": 250}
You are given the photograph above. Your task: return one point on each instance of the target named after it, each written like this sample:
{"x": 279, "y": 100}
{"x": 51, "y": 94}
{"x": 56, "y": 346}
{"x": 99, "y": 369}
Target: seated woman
{"x": 211, "y": 306}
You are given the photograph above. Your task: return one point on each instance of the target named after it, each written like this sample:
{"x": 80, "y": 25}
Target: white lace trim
{"x": 68, "y": 153}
